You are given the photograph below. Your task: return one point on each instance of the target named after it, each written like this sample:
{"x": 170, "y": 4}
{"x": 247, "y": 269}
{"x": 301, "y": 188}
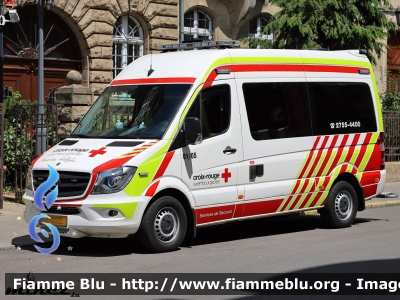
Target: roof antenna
{"x": 151, "y": 64}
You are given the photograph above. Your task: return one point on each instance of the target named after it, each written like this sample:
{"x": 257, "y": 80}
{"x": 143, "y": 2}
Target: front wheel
{"x": 163, "y": 226}
{"x": 341, "y": 206}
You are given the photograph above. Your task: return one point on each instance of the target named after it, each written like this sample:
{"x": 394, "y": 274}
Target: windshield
{"x": 134, "y": 111}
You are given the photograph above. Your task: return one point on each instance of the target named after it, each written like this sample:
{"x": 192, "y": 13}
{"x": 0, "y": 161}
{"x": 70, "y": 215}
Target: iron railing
{"x": 7, "y": 92}
{"x": 25, "y": 142}
{"x": 391, "y": 121}
{"x": 51, "y": 97}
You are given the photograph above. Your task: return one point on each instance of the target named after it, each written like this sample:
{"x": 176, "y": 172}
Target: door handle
{"x": 228, "y": 150}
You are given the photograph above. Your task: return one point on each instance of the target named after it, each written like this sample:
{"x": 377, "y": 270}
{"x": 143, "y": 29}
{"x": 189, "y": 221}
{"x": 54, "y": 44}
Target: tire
{"x": 163, "y": 227}
{"x": 341, "y": 206}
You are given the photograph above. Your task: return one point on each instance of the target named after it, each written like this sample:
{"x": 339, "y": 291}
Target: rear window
{"x": 341, "y": 107}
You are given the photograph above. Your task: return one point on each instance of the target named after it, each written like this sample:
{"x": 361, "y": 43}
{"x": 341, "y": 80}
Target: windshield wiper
{"x": 127, "y": 137}
{"x": 83, "y": 136}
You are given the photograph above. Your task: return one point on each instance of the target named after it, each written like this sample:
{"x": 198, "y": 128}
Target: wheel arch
{"x": 350, "y": 178}
{"x": 181, "y": 197}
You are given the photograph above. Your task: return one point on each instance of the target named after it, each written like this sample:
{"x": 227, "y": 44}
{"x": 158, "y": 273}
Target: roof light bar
{"x": 200, "y": 45}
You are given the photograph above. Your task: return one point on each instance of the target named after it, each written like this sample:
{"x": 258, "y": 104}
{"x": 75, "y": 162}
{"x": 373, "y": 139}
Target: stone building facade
{"x": 390, "y": 60}
{"x": 100, "y": 37}
{"x": 106, "y": 35}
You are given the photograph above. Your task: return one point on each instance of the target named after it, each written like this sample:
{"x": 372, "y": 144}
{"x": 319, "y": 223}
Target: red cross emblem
{"x": 99, "y": 151}
{"x": 226, "y": 175}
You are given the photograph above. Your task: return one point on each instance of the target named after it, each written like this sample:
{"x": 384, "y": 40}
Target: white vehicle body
{"x": 252, "y": 167}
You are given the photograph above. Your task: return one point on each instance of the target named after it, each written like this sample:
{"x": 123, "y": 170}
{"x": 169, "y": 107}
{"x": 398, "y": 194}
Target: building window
{"x": 128, "y": 42}
{"x": 198, "y": 25}
{"x": 256, "y": 29}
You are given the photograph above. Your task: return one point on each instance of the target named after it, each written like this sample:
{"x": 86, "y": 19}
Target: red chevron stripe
{"x": 318, "y": 158}
{"x": 316, "y": 199}
{"x": 338, "y": 154}
{"x": 152, "y": 189}
{"x": 363, "y": 150}
{"x": 310, "y": 155}
{"x": 294, "y": 190}
{"x": 328, "y": 156}
{"x": 352, "y": 148}
{"x": 343, "y": 168}
{"x": 374, "y": 162}
{"x": 163, "y": 167}
{"x": 305, "y": 200}
{"x": 320, "y": 193}
{"x": 298, "y": 197}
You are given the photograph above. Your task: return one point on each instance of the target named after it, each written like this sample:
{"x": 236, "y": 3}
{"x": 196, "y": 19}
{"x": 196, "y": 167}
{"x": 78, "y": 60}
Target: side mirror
{"x": 193, "y": 131}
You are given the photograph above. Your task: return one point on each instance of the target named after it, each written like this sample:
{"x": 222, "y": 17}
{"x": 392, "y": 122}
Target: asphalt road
{"x": 272, "y": 245}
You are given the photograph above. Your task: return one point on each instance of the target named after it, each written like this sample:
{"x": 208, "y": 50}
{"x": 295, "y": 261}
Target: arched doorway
{"x": 393, "y": 61}
{"x": 61, "y": 52}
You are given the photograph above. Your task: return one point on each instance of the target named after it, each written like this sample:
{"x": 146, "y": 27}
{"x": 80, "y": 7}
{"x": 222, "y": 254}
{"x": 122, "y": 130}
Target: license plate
{"x": 55, "y": 220}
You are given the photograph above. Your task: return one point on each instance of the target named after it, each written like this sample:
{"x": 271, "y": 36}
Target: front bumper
{"x": 107, "y": 216}
{"x": 381, "y": 184}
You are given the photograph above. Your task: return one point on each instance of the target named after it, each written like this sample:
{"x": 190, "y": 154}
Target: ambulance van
{"x": 185, "y": 139}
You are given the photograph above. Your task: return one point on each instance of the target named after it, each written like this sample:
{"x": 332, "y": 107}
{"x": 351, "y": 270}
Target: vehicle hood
{"x": 94, "y": 155}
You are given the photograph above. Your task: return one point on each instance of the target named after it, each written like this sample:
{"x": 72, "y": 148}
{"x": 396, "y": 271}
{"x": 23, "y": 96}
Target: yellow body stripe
{"x": 128, "y": 209}
{"x": 307, "y": 190}
{"x": 329, "y": 164}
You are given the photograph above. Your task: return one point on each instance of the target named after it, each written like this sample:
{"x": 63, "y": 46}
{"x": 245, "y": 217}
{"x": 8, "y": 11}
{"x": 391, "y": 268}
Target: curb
{"x": 7, "y": 247}
{"x": 371, "y": 205}
{"x": 309, "y": 212}
{"x": 11, "y": 199}
{"x": 382, "y": 204}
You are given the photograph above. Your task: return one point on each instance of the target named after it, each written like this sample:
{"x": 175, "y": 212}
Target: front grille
{"x": 63, "y": 230}
{"x": 70, "y": 184}
{"x": 65, "y": 210}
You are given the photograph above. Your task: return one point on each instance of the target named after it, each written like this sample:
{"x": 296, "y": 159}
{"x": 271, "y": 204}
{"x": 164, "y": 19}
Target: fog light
{"x": 112, "y": 213}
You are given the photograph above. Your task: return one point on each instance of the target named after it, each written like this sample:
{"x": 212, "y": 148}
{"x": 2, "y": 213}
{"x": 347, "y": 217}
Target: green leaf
{"x": 331, "y": 24}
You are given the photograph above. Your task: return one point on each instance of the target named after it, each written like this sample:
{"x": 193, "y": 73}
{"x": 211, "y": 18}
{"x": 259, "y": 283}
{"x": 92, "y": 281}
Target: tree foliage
{"x": 255, "y": 42}
{"x": 391, "y": 96}
{"x": 331, "y": 24}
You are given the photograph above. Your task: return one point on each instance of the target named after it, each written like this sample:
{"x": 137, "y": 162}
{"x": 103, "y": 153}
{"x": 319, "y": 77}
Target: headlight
{"x": 28, "y": 181}
{"x": 113, "y": 180}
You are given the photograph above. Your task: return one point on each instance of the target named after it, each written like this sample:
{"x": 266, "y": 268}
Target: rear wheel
{"x": 341, "y": 206}
{"x": 163, "y": 226}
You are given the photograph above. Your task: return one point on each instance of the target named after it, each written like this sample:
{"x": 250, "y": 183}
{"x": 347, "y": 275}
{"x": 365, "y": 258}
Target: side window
{"x": 214, "y": 110}
{"x": 277, "y": 110}
{"x": 341, "y": 107}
